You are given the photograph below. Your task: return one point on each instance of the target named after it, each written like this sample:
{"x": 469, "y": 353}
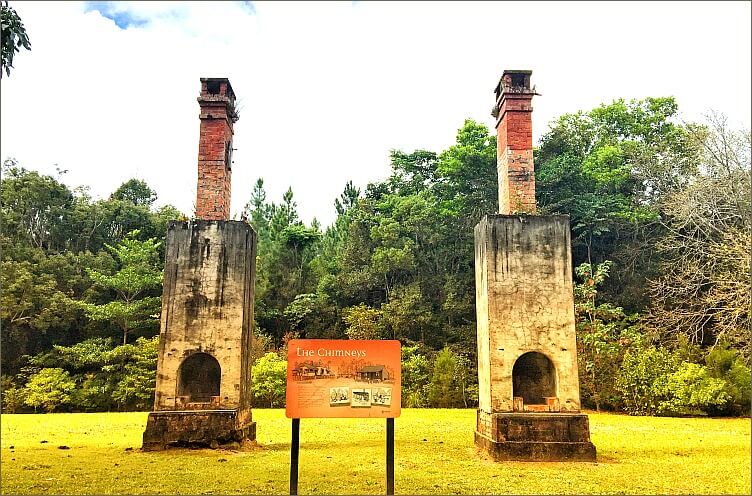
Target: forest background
{"x": 660, "y": 214}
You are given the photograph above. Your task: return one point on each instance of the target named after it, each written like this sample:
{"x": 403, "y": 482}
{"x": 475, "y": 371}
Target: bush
{"x": 724, "y": 363}
{"x": 643, "y": 379}
{"x": 415, "y": 375}
{"x": 691, "y": 391}
{"x": 49, "y": 389}
{"x": 12, "y": 397}
{"x": 270, "y": 379}
{"x": 445, "y": 388}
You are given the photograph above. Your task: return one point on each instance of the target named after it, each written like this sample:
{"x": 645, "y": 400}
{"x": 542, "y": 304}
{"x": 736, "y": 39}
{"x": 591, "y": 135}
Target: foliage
{"x": 13, "y": 397}
{"x": 269, "y": 379}
{"x": 13, "y": 37}
{"x": 609, "y": 169}
{"x": 261, "y": 344}
{"x": 445, "y": 387}
{"x": 727, "y": 364}
{"x": 136, "y": 192}
{"x": 690, "y": 390}
{"x": 363, "y": 322}
{"x": 704, "y": 285}
{"x": 107, "y": 377}
{"x": 604, "y": 333}
{"x": 643, "y": 379}
{"x": 415, "y": 376}
{"x": 49, "y": 389}
{"x": 138, "y": 273}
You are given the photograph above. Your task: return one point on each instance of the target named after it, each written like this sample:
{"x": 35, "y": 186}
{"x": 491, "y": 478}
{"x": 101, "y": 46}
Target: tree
{"x": 49, "y": 389}
{"x": 604, "y": 333}
{"x": 415, "y": 377}
{"x": 363, "y": 322}
{"x": 135, "y": 191}
{"x": 13, "y": 37}
{"x": 610, "y": 169}
{"x": 703, "y": 290}
{"x": 444, "y": 390}
{"x": 138, "y": 273}
{"x": 269, "y": 379}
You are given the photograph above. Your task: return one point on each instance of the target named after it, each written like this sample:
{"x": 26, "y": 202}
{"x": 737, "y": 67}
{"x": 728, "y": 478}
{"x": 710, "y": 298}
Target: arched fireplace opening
{"x": 199, "y": 377}
{"x": 534, "y": 378}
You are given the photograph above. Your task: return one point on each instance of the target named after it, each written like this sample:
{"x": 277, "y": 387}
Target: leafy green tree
{"x": 727, "y": 364}
{"x": 363, "y": 322}
{"x": 644, "y": 377}
{"x": 135, "y": 191}
{"x": 416, "y": 369}
{"x": 313, "y": 315}
{"x": 49, "y": 389}
{"x": 133, "y": 308}
{"x": 13, "y": 397}
{"x": 610, "y": 169}
{"x": 13, "y": 37}
{"x": 691, "y": 390}
{"x": 444, "y": 389}
{"x": 269, "y": 379}
{"x": 604, "y": 333}
{"x": 34, "y": 208}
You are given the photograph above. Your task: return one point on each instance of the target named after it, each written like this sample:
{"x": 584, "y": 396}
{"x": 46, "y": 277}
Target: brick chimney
{"x": 514, "y": 126}
{"x": 218, "y": 114}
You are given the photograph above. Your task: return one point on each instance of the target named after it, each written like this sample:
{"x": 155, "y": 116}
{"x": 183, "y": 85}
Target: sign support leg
{"x": 294, "y": 452}
{"x": 390, "y": 456}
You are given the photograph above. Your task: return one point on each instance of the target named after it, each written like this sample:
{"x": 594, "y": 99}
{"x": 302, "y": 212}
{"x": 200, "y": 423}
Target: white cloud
{"x": 328, "y": 88}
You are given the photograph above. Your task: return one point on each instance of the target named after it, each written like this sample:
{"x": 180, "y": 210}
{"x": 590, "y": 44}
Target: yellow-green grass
{"x": 434, "y": 454}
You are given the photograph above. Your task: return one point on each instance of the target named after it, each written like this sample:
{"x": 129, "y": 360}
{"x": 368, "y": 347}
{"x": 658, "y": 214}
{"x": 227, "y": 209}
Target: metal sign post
{"x": 294, "y": 452}
{"x": 389, "y": 456}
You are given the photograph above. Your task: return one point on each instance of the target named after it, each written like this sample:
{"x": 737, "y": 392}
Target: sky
{"x": 108, "y": 91}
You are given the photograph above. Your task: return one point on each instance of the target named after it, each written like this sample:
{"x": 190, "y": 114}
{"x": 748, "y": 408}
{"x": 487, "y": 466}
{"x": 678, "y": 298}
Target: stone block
{"x": 535, "y": 437}
{"x": 201, "y": 428}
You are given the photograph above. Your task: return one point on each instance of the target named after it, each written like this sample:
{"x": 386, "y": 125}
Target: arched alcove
{"x": 534, "y": 378}
{"x": 199, "y": 377}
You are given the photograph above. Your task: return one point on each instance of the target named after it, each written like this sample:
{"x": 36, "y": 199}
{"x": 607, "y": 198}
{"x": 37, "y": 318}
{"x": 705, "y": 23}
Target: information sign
{"x": 343, "y": 378}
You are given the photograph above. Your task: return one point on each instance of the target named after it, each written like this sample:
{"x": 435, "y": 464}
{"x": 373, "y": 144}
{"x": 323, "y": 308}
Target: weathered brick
{"x": 215, "y": 140}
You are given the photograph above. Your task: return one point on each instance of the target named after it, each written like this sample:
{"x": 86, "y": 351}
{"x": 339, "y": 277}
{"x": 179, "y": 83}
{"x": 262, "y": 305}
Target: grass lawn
{"x": 434, "y": 454}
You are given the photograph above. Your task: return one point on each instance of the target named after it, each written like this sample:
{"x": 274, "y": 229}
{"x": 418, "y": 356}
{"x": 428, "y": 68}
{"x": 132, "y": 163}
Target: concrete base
{"x": 196, "y": 428}
{"x": 535, "y": 436}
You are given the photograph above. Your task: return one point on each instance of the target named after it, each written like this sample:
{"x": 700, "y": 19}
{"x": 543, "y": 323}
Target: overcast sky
{"x": 109, "y": 90}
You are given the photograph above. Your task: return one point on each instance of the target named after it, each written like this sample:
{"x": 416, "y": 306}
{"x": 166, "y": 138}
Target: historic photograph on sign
{"x": 361, "y": 398}
{"x": 381, "y": 396}
{"x": 339, "y": 396}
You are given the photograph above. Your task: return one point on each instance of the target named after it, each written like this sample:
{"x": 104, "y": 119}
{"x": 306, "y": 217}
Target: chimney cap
{"x": 514, "y": 81}
{"x": 216, "y": 82}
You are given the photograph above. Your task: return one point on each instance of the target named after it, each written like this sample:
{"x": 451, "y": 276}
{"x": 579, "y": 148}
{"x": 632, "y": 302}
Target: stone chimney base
{"x": 535, "y": 437}
{"x": 197, "y": 428}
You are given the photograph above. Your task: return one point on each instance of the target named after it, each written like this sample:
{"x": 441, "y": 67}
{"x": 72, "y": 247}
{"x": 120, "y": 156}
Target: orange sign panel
{"x": 343, "y": 378}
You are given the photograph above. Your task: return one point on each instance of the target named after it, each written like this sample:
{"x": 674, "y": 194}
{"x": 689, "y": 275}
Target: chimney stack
{"x": 514, "y": 126}
{"x": 218, "y": 114}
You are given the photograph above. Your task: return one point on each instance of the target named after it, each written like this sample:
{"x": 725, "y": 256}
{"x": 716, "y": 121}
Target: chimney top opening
{"x": 212, "y": 87}
{"x": 518, "y": 80}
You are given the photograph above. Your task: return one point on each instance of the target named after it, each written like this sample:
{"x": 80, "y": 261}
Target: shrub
{"x": 415, "y": 375}
{"x": 12, "y": 397}
{"x": 727, "y": 364}
{"x": 49, "y": 389}
{"x": 445, "y": 388}
{"x": 269, "y": 379}
{"x": 690, "y": 391}
{"x": 643, "y": 379}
